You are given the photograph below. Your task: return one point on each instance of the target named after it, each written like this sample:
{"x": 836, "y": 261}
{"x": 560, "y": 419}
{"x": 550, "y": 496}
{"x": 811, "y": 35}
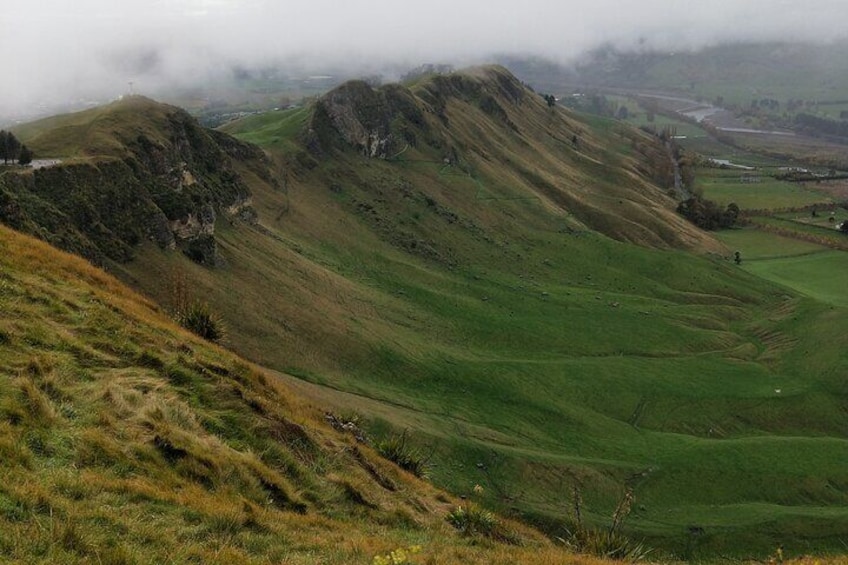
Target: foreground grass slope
{"x": 124, "y": 439}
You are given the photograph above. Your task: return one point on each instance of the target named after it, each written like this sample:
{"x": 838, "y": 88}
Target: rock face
{"x": 371, "y": 120}
{"x": 381, "y": 122}
{"x": 169, "y": 183}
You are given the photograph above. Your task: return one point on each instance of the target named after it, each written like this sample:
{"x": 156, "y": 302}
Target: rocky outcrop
{"x": 381, "y": 122}
{"x": 169, "y": 184}
{"x": 377, "y": 122}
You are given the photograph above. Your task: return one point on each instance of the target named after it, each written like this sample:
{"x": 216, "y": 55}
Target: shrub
{"x": 198, "y": 318}
{"x": 470, "y": 519}
{"x": 708, "y": 215}
{"x": 408, "y": 458}
{"x": 606, "y": 543}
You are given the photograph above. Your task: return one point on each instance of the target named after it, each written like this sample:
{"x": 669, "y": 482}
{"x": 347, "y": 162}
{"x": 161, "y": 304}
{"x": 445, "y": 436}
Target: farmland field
{"x": 755, "y": 244}
{"x": 726, "y": 186}
{"x": 820, "y": 275}
{"x": 807, "y": 268}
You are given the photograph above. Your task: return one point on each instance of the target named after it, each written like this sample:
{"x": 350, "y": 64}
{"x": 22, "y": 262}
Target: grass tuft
{"x": 471, "y": 519}
{"x": 409, "y": 458}
{"x": 36, "y": 403}
{"x": 199, "y": 319}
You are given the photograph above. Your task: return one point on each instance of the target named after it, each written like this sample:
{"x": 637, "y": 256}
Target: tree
{"x": 25, "y": 156}
{"x": 708, "y": 215}
{"x": 729, "y": 216}
{"x": 4, "y": 152}
{"x": 9, "y": 146}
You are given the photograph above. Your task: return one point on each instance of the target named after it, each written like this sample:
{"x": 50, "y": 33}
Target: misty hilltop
{"x": 191, "y": 44}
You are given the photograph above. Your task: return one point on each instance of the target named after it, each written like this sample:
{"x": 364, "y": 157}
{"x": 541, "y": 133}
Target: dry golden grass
{"x": 125, "y": 439}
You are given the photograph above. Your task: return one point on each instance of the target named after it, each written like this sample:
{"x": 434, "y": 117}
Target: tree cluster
{"x": 708, "y": 215}
{"x": 13, "y": 150}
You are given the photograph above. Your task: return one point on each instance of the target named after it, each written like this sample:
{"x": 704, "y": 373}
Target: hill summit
{"x": 131, "y": 171}
{"x": 483, "y": 119}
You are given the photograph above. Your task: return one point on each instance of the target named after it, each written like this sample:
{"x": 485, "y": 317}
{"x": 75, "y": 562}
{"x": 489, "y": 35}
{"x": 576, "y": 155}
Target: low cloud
{"x": 57, "y": 51}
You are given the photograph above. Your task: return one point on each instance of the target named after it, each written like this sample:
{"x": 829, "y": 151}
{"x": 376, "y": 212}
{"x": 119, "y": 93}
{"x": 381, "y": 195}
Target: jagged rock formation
{"x": 368, "y": 119}
{"x": 159, "y": 176}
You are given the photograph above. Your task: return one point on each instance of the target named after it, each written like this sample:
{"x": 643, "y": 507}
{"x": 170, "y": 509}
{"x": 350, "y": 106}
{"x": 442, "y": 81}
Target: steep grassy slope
{"x": 123, "y": 439}
{"x": 457, "y": 259}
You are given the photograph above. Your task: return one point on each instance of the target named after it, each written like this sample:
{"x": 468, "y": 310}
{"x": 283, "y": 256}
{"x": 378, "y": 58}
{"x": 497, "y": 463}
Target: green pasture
{"x": 807, "y": 268}
{"x": 269, "y": 129}
{"x": 757, "y": 244}
{"x": 731, "y": 185}
{"x": 528, "y": 393}
{"x": 801, "y": 225}
{"x": 821, "y": 275}
{"x": 824, "y": 218}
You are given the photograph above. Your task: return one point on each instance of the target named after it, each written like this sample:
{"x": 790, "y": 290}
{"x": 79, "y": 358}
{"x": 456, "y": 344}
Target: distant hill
{"x": 736, "y": 72}
{"x": 488, "y": 126}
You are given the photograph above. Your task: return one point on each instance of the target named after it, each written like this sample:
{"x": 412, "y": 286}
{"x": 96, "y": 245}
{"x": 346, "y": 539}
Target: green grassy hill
{"x": 502, "y": 280}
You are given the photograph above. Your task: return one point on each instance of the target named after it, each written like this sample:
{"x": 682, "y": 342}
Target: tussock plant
{"x": 609, "y": 542}
{"x": 471, "y": 519}
{"x": 407, "y": 457}
{"x": 199, "y": 319}
{"x": 191, "y": 313}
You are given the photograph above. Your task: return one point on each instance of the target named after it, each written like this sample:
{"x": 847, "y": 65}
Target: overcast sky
{"x": 54, "y": 49}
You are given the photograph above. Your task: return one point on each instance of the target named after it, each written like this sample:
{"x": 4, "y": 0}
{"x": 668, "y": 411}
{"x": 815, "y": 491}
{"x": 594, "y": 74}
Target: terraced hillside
{"x": 502, "y": 280}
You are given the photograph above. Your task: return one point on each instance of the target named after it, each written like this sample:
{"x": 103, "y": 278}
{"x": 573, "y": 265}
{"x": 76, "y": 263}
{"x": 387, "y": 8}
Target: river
{"x": 705, "y": 113}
